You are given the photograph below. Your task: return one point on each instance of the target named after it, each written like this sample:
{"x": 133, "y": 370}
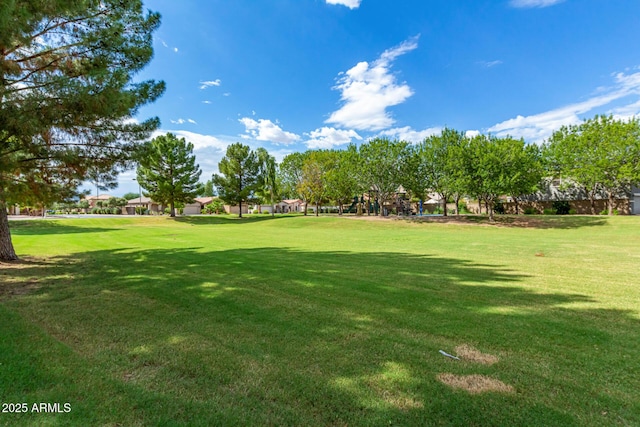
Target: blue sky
{"x": 289, "y": 75}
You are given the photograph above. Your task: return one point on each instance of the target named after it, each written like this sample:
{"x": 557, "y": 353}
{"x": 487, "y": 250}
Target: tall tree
{"x": 523, "y": 165}
{"x": 67, "y": 97}
{"x": 168, "y": 171}
{"x": 240, "y": 175}
{"x": 207, "y": 189}
{"x": 438, "y": 166}
{"x": 486, "y": 169}
{"x": 268, "y": 176}
{"x": 342, "y": 176}
{"x": 384, "y": 167}
{"x": 290, "y": 176}
{"x": 600, "y": 154}
{"x": 314, "y": 186}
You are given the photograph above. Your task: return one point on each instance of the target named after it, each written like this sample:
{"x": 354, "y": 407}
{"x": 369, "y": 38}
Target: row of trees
{"x": 449, "y": 164}
{"x": 598, "y": 156}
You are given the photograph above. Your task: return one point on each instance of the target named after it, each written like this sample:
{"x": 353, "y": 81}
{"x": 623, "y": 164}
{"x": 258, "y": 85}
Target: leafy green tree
{"x": 524, "y": 168}
{"x": 67, "y": 96}
{"x": 216, "y": 206}
{"x": 314, "y": 185}
{"x": 240, "y": 175}
{"x": 290, "y": 176}
{"x": 384, "y": 167}
{"x": 485, "y": 170}
{"x": 268, "y": 177}
{"x": 342, "y": 176}
{"x": 169, "y": 172}
{"x": 438, "y": 166}
{"x": 130, "y": 196}
{"x": 600, "y": 154}
{"x": 207, "y": 189}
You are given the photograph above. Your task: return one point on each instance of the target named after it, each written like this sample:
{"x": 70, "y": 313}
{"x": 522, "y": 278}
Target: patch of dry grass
{"x": 466, "y": 352}
{"x": 475, "y": 384}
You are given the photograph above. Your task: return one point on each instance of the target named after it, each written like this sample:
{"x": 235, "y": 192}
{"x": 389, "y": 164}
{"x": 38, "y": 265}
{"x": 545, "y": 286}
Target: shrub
{"x": 549, "y": 212}
{"x": 266, "y": 212}
{"x": 562, "y": 207}
{"x": 462, "y": 208}
{"x": 499, "y": 208}
{"x": 604, "y": 212}
{"x": 572, "y": 212}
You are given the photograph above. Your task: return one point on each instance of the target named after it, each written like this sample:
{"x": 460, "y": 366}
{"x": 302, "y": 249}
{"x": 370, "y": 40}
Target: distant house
{"x": 93, "y": 200}
{"x": 292, "y": 205}
{"x": 144, "y": 203}
{"x": 194, "y": 208}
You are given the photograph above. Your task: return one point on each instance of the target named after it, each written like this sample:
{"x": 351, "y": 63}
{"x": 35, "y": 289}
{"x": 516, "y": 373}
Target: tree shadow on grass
{"x": 272, "y": 336}
{"x": 517, "y": 221}
{"x": 227, "y": 219}
{"x": 48, "y": 227}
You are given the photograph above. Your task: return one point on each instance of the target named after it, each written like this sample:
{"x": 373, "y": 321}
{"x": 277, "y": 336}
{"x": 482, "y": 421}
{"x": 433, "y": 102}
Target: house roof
{"x": 204, "y": 200}
{"x": 140, "y": 200}
{"x": 292, "y": 201}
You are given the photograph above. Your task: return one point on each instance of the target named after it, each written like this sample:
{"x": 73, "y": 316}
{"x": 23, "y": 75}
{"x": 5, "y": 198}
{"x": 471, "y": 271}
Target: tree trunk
{"x": 240, "y": 209}
{"x": 306, "y": 205}
{"x": 7, "y": 253}
{"x": 515, "y": 201}
{"x": 172, "y": 209}
{"x": 593, "y": 203}
{"x": 456, "y": 199}
{"x": 489, "y": 206}
{"x": 479, "y": 206}
{"x": 610, "y": 202}
{"x": 444, "y": 204}
{"x": 317, "y": 209}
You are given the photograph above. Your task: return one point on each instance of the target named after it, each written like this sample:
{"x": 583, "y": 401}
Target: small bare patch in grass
{"x": 471, "y": 354}
{"x": 475, "y": 384}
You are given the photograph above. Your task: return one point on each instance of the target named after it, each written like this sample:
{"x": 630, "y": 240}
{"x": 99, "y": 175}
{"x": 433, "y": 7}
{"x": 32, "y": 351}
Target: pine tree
{"x": 240, "y": 169}
{"x": 67, "y": 97}
{"x": 168, "y": 171}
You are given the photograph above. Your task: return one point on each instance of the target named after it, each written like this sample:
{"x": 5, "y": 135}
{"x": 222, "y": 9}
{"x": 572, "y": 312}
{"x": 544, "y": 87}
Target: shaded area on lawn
{"x": 45, "y": 227}
{"x": 229, "y": 219}
{"x": 520, "y": 221}
{"x": 272, "y": 336}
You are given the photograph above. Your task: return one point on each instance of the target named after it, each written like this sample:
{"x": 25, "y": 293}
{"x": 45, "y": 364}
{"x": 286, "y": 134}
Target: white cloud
{"x": 490, "y": 64}
{"x": 266, "y": 130}
{"x": 409, "y": 135}
{"x": 626, "y": 112}
{"x": 472, "y": 133}
{"x": 206, "y": 102}
{"x": 209, "y": 83}
{"x": 327, "y": 137}
{"x": 369, "y": 89}
{"x": 534, "y": 3}
{"x": 351, "y": 4}
{"x": 538, "y": 127}
{"x": 181, "y": 121}
{"x": 175, "y": 49}
{"x": 198, "y": 140}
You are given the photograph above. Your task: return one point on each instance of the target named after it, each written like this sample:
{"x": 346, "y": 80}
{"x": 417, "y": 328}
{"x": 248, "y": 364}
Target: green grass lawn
{"x": 322, "y": 321}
